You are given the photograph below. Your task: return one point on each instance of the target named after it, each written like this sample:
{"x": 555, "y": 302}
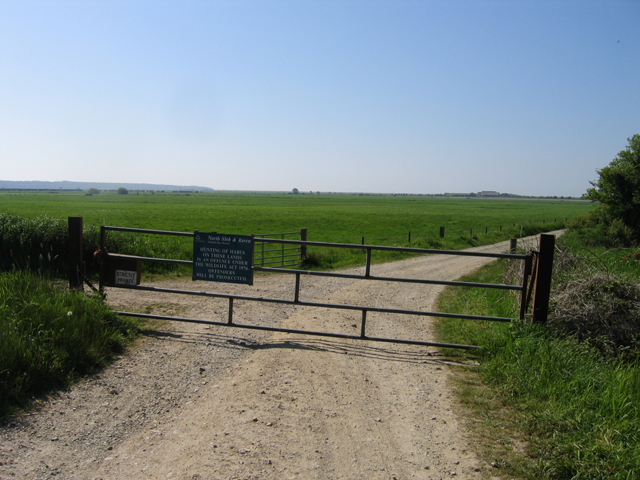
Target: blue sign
{"x": 219, "y": 257}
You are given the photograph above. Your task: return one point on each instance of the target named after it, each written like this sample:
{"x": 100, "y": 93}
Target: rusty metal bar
{"x": 291, "y": 262}
{"x": 144, "y": 230}
{"x": 279, "y": 250}
{"x": 526, "y": 271}
{"x": 274, "y": 234}
{"x": 399, "y": 249}
{"x": 302, "y": 332}
{"x": 391, "y": 279}
{"x": 152, "y": 259}
{"x": 363, "y": 323}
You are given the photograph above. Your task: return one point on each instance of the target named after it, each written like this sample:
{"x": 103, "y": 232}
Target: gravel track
{"x": 191, "y": 401}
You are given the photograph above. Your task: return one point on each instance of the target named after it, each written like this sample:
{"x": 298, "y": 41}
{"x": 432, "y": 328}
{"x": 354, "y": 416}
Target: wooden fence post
{"x": 513, "y": 245}
{"x": 441, "y": 232}
{"x": 76, "y": 264}
{"x": 303, "y": 248}
{"x": 104, "y": 258}
{"x": 542, "y": 290}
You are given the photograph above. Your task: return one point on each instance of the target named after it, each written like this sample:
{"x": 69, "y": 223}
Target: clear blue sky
{"x": 527, "y": 97}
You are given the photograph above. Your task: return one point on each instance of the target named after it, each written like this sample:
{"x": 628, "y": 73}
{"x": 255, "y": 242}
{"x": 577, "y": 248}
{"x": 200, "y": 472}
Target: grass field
{"x": 381, "y": 220}
{"x": 335, "y": 218}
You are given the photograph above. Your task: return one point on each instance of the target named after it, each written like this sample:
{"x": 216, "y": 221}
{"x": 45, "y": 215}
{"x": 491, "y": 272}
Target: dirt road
{"x": 206, "y": 402}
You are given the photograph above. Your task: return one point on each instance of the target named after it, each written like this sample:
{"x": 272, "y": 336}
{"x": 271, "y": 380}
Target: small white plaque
{"x": 126, "y": 277}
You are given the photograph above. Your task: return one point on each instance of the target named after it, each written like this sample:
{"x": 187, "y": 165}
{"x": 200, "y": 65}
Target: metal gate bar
{"x": 302, "y": 332}
{"x": 338, "y": 275}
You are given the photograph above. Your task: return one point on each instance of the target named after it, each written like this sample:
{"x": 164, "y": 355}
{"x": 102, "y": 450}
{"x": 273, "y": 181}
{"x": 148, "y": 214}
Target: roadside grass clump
{"x": 561, "y": 400}
{"x": 49, "y": 335}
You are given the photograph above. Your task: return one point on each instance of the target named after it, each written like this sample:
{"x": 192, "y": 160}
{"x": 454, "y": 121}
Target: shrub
{"x": 618, "y": 187}
{"x": 600, "y": 309}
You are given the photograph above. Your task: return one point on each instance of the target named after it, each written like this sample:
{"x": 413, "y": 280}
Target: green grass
{"x": 381, "y": 220}
{"x": 49, "y": 335}
{"x": 336, "y": 218}
{"x": 543, "y": 406}
{"x": 623, "y": 262}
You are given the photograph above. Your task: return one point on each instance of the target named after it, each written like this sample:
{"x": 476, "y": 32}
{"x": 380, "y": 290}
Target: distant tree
{"x": 618, "y": 188}
{"x": 295, "y": 191}
{"x": 123, "y": 191}
{"x": 93, "y": 191}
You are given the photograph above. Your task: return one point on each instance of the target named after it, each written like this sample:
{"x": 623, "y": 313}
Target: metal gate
{"x": 110, "y": 260}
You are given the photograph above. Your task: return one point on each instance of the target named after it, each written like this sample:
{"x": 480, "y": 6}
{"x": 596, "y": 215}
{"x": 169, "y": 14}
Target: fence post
{"x": 409, "y": 238}
{"x": 441, "y": 232}
{"x": 513, "y": 245}
{"x": 542, "y": 290}
{"x": 76, "y": 263}
{"x": 303, "y": 248}
{"x": 526, "y": 272}
{"x": 282, "y": 265}
{"x": 104, "y": 258}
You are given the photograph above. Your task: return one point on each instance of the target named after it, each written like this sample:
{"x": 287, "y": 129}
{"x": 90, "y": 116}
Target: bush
{"x": 599, "y": 309}
{"x": 618, "y": 187}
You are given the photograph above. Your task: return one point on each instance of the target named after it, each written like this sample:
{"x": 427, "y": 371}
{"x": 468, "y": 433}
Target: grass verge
{"x": 48, "y": 335}
{"x": 542, "y": 406}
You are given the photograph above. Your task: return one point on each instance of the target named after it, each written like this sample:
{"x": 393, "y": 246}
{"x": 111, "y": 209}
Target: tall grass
{"x": 48, "y": 335}
{"x": 40, "y": 245}
{"x": 577, "y": 411}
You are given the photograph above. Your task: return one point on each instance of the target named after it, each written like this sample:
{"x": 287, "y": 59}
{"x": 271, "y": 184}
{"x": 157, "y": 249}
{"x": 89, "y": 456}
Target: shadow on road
{"x": 359, "y": 348}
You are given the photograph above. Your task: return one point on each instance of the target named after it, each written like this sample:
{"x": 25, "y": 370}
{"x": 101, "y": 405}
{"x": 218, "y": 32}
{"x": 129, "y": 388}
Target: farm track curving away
{"x": 191, "y": 401}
